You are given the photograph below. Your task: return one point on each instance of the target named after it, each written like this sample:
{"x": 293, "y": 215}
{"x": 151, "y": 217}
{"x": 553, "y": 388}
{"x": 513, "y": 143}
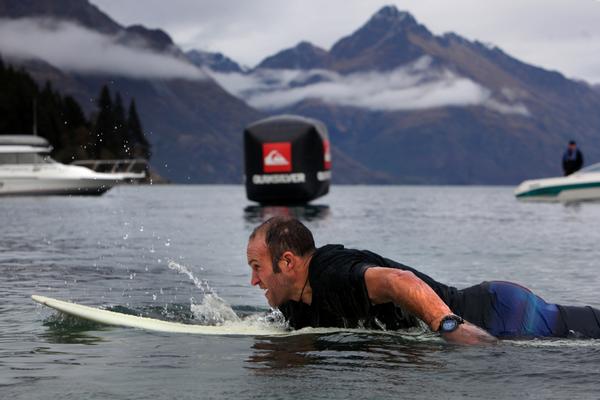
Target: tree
{"x": 138, "y": 141}
{"x": 104, "y": 124}
{"x": 62, "y": 122}
{"x": 72, "y": 113}
{"x": 48, "y": 111}
{"x": 17, "y": 92}
{"x": 77, "y": 139}
{"x": 119, "y": 142}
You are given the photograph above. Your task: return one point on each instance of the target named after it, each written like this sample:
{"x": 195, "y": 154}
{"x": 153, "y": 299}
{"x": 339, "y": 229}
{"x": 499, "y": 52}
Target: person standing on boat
{"x": 333, "y": 286}
{"x": 572, "y": 160}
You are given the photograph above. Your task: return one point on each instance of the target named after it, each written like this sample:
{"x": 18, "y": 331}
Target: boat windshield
{"x": 25, "y": 158}
{"x": 591, "y": 168}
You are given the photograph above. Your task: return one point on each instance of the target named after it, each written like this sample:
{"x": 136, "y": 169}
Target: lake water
{"x": 158, "y": 250}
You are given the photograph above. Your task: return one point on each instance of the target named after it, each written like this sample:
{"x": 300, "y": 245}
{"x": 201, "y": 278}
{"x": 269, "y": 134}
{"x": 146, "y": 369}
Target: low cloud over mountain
{"x": 418, "y": 85}
{"x": 72, "y": 47}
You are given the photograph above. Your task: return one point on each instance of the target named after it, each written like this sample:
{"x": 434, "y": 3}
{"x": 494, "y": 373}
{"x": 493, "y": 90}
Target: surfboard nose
{"x": 39, "y": 299}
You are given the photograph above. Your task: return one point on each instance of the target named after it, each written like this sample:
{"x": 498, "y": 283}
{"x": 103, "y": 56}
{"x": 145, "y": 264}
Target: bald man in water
{"x": 337, "y": 287}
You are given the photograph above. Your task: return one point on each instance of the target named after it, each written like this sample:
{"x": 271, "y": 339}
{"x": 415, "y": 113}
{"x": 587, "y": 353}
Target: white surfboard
{"x": 132, "y": 321}
{"x": 228, "y": 329}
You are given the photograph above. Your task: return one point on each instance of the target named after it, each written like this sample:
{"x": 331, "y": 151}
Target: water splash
{"x": 213, "y": 310}
{"x": 272, "y": 320}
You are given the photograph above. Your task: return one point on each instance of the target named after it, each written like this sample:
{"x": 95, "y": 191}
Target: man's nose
{"x": 254, "y": 280}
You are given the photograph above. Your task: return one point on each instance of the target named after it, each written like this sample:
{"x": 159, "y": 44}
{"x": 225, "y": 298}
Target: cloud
{"x": 416, "y": 86}
{"x": 71, "y": 47}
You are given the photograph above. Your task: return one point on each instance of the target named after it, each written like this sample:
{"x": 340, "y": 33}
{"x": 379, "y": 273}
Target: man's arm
{"x": 405, "y": 289}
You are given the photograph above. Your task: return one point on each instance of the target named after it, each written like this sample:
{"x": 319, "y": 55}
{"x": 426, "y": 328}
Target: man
{"x": 337, "y": 287}
{"x": 572, "y": 159}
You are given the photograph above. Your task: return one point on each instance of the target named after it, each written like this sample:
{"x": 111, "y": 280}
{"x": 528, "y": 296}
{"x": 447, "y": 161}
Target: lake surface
{"x": 158, "y": 251}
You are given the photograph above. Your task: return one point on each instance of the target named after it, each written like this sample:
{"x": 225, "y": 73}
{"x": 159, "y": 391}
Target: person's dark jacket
{"x": 572, "y": 162}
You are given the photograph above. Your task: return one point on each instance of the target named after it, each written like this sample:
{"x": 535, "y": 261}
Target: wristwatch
{"x": 450, "y": 323}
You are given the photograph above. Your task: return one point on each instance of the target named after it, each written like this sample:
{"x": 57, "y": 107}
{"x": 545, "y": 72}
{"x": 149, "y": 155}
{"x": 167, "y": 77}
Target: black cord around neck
{"x": 304, "y": 287}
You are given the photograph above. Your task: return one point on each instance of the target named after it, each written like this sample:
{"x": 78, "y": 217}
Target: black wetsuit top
{"x": 505, "y": 309}
{"x": 340, "y": 297}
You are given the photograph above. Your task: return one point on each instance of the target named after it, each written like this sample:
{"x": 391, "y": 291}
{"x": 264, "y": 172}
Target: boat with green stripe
{"x": 583, "y": 185}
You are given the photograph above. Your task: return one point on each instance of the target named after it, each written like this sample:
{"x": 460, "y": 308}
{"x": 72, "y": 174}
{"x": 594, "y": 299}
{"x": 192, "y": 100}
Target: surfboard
{"x": 242, "y": 328}
{"x": 131, "y": 321}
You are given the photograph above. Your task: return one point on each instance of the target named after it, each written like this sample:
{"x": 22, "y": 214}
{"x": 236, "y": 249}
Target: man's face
{"x": 276, "y": 285}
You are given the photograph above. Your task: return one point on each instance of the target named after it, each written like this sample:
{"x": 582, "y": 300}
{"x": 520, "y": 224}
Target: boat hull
{"x": 573, "y": 188}
{"x": 27, "y": 169}
{"x": 53, "y": 179}
{"x": 32, "y": 186}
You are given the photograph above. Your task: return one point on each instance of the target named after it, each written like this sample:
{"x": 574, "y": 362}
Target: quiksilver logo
{"x": 275, "y": 158}
{"x": 275, "y": 179}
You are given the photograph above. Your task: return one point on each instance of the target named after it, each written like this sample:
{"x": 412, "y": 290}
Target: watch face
{"x": 449, "y": 325}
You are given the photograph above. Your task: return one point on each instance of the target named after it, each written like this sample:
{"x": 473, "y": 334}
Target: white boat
{"x": 26, "y": 168}
{"x": 583, "y": 185}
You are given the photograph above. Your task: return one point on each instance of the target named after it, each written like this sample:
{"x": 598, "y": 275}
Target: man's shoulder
{"x": 325, "y": 254}
{"x": 331, "y": 252}
{"x": 337, "y": 259}
{"x": 340, "y": 248}
{"x": 331, "y": 247}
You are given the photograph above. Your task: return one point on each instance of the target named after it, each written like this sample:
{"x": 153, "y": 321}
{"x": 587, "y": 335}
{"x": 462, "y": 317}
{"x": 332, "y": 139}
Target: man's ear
{"x": 288, "y": 257}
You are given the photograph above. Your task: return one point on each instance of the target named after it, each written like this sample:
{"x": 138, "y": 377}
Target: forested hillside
{"x": 109, "y": 133}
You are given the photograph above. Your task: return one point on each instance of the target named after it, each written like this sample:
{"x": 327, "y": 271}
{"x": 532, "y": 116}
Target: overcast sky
{"x": 562, "y": 35}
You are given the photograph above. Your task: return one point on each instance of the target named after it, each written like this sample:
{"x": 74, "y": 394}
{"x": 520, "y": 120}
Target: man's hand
{"x": 469, "y": 334}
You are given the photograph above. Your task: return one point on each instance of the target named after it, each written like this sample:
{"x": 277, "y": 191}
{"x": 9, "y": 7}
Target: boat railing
{"x": 135, "y": 167}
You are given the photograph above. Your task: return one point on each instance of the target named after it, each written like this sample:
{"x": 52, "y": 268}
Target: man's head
{"x": 277, "y": 251}
{"x": 572, "y": 144}
{"x": 285, "y": 234}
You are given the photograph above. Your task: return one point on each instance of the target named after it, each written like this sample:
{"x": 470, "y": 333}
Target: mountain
{"x": 431, "y": 109}
{"x": 81, "y": 12}
{"x": 155, "y": 39}
{"x": 402, "y": 105}
{"x": 194, "y": 125}
{"x": 304, "y": 56}
{"x": 87, "y": 15}
{"x": 214, "y": 61}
